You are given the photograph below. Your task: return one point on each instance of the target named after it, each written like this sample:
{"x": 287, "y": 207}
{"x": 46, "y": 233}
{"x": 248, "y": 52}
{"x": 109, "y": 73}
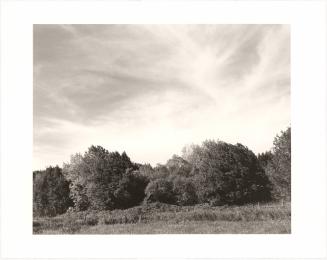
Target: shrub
{"x": 91, "y": 220}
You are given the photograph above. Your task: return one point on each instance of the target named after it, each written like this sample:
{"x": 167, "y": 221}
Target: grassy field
{"x": 160, "y": 218}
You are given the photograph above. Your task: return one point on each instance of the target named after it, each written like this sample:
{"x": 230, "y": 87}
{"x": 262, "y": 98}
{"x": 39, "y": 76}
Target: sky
{"x": 150, "y": 90}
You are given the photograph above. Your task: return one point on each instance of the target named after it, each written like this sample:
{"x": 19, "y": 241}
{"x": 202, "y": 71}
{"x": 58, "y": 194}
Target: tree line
{"x": 214, "y": 172}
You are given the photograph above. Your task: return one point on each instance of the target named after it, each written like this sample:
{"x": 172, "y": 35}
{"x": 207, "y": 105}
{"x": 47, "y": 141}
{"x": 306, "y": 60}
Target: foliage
{"x": 172, "y": 183}
{"x": 279, "y": 168}
{"x": 229, "y": 174}
{"x": 158, "y": 216}
{"x": 185, "y": 191}
{"x": 214, "y": 172}
{"x": 265, "y": 158}
{"x": 178, "y": 166}
{"x": 50, "y": 192}
{"x": 218, "y": 173}
{"x": 192, "y": 154}
{"x": 160, "y": 190}
{"x": 146, "y": 170}
{"x": 104, "y": 180}
{"x": 131, "y": 189}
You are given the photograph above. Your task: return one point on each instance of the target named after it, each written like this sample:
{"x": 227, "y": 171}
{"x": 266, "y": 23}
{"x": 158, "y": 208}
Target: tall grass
{"x": 157, "y": 212}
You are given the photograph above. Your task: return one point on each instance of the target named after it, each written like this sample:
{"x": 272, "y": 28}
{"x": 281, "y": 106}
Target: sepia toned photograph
{"x": 161, "y": 129}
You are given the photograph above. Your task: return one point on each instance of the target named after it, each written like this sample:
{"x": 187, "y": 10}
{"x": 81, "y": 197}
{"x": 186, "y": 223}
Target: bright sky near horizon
{"x": 151, "y": 89}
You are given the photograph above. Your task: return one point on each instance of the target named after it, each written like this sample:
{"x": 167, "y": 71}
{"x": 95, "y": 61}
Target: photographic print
{"x": 161, "y": 129}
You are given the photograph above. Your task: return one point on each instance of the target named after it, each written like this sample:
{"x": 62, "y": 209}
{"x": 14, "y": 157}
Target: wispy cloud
{"x": 150, "y": 89}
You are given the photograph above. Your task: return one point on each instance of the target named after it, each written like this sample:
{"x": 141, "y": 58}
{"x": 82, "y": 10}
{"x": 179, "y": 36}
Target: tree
{"x": 103, "y": 180}
{"x": 131, "y": 189}
{"x": 184, "y": 190}
{"x": 178, "y": 166}
{"x": 279, "y": 168}
{"x": 160, "y": 190}
{"x": 192, "y": 154}
{"x": 50, "y": 192}
{"x": 160, "y": 172}
{"x": 171, "y": 183}
{"x": 146, "y": 170}
{"x": 265, "y": 158}
{"x": 229, "y": 174}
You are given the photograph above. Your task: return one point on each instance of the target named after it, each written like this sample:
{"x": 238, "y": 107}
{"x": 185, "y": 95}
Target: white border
{"x": 308, "y": 68}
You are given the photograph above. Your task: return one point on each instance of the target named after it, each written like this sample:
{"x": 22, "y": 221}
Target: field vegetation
{"x": 164, "y": 218}
{"x": 214, "y": 187}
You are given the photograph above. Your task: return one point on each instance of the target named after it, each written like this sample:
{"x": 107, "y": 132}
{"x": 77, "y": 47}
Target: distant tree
{"x": 50, "y": 192}
{"x": 279, "y": 168}
{"x": 103, "y": 180}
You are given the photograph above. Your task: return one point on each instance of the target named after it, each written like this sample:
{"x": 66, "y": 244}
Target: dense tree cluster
{"x": 214, "y": 172}
{"x": 218, "y": 173}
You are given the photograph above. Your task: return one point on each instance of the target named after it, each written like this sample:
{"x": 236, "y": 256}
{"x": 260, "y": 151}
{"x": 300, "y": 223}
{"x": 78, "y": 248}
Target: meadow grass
{"x": 193, "y": 227}
{"x": 158, "y": 218}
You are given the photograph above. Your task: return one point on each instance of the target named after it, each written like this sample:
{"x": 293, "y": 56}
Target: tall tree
{"x": 103, "y": 180}
{"x": 279, "y": 168}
